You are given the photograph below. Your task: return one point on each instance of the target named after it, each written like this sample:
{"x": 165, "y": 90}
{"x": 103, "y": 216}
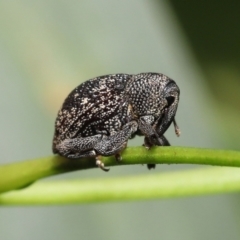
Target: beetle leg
{"x": 118, "y": 156}
{"x": 152, "y": 137}
{"x": 77, "y": 147}
{"x": 144, "y": 124}
{"x": 162, "y": 141}
{"x": 147, "y": 144}
{"x": 100, "y": 164}
{"x": 151, "y": 166}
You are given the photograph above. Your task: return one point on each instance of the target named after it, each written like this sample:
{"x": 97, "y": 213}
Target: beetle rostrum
{"x": 100, "y": 115}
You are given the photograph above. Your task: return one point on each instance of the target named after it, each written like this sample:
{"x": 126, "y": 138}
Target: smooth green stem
{"x": 147, "y": 186}
{"x": 19, "y": 175}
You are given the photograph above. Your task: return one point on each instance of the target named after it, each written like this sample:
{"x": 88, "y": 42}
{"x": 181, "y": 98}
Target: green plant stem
{"x": 19, "y": 175}
{"x": 148, "y": 186}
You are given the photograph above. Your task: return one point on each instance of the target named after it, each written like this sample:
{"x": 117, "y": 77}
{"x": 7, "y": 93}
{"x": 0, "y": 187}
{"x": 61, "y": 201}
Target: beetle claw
{"x": 118, "y": 157}
{"x": 100, "y": 164}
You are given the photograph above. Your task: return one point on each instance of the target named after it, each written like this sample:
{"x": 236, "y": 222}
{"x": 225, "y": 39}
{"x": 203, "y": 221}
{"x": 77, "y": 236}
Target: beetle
{"x": 100, "y": 115}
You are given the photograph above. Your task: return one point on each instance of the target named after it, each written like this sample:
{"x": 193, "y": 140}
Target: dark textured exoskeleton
{"x": 100, "y": 115}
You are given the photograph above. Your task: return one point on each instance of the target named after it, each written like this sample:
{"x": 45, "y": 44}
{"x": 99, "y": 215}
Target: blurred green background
{"x": 49, "y": 47}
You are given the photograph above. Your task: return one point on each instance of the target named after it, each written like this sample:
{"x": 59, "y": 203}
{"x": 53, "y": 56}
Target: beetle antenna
{"x": 177, "y": 129}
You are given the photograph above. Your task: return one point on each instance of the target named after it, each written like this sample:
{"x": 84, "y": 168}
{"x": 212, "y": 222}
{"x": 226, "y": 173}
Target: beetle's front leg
{"x": 145, "y": 126}
{"x": 162, "y": 141}
{"x": 151, "y": 136}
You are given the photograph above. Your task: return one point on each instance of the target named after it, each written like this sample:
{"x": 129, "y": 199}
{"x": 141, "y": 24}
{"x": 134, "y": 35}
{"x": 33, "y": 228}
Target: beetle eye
{"x": 170, "y": 100}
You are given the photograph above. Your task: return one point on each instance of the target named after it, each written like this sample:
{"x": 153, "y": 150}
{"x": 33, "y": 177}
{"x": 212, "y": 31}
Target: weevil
{"x": 100, "y": 115}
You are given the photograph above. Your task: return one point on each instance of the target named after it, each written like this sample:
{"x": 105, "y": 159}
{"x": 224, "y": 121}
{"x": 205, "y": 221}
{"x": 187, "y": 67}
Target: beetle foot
{"x": 151, "y": 166}
{"x": 177, "y": 129}
{"x": 146, "y": 146}
{"x": 100, "y": 164}
{"x": 118, "y": 157}
{"x": 147, "y": 143}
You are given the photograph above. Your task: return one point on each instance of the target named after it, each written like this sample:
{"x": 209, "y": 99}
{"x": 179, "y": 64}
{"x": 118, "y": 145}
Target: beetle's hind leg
{"x": 100, "y": 164}
{"x": 78, "y": 147}
{"x": 91, "y": 153}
